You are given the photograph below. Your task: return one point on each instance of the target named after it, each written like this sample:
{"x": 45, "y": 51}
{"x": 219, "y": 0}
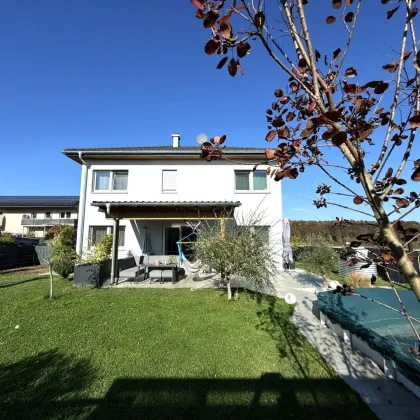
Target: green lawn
{"x": 149, "y": 353}
{"x": 333, "y": 275}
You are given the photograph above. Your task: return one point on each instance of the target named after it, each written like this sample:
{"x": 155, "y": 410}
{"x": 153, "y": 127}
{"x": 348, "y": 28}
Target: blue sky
{"x": 108, "y": 73}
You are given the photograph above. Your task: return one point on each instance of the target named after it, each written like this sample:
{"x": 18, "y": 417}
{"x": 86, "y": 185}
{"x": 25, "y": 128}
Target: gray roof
{"x": 175, "y": 150}
{"x": 39, "y": 201}
{"x": 157, "y": 152}
{"x": 167, "y": 203}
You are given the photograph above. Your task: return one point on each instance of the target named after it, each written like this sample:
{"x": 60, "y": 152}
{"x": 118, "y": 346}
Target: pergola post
{"x": 114, "y": 254}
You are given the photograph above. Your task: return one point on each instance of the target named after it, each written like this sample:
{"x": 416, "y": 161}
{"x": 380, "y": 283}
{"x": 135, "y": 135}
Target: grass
{"x": 333, "y": 275}
{"x": 153, "y": 353}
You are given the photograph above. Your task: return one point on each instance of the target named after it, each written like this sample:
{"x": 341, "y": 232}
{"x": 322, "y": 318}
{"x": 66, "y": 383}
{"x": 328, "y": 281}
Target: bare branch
{"x": 378, "y": 164}
{"x": 349, "y": 208}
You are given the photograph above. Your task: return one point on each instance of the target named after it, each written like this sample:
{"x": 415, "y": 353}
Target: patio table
{"x": 153, "y": 266}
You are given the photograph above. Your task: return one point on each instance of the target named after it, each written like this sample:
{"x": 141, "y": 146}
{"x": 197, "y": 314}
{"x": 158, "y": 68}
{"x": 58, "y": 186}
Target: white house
{"x": 156, "y": 191}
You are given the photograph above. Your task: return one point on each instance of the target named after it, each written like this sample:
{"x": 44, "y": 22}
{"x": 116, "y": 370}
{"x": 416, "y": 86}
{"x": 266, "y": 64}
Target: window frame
{"x": 109, "y": 230}
{"x": 175, "y": 191}
{"x": 251, "y": 183}
{"x": 48, "y": 215}
{"x": 110, "y": 189}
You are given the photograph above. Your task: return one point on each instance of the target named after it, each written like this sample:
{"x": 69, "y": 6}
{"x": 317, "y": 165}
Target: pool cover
{"x": 386, "y": 331}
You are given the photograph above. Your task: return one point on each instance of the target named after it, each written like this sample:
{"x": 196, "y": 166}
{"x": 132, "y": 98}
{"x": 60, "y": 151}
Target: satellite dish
{"x": 290, "y": 298}
{"x": 201, "y": 138}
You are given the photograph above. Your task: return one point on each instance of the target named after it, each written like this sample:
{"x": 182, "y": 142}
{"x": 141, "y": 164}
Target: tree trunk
{"x": 400, "y": 254}
{"x": 51, "y": 281}
{"x": 229, "y": 290}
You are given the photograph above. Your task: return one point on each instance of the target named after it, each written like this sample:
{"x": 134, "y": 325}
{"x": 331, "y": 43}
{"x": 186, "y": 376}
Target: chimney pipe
{"x": 176, "y": 140}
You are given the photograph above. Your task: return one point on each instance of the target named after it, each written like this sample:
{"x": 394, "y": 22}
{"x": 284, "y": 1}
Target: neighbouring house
{"x": 152, "y": 195}
{"x": 33, "y": 215}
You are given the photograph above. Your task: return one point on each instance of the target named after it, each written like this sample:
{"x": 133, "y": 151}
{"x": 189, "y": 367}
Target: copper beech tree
{"x": 326, "y": 107}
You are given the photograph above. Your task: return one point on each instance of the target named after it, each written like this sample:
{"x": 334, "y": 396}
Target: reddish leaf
{"x": 211, "y": 18}
{"x": 306, "y": 132}
{"x": 351, "y": 262}
{"x": 294, "y": 86}
{"x": 278, "y": 93}
{"x": 200, "y": 14}
{"x": 336, "y": 53}
{"x": 332, "y": 115}
{"x": 410, "y": 231}
{"x": 350, "y": 88}
{"x": 218, "y": 140}
{"x": 349, "y": 17}
{"x": 400, "y": 182}
{"x": 226, "y": 30}
{"x": 389, "y": 173}
{"x": 222, "y": 62}
{"x": 211, "y": 47}
{"x": 413, "y": 12}
{"x": 349, "y": 3}
{"x": 391, "y": 67}
{"x": 391, "y": 12}
{"x": 402, "y": 203}
{"x": 239, "y": 67}
{"x": 290, "y": 116}
{"x": 381, "y": 87}
{"x": 270, "y": 153}
{"x": 278, "y": 122}
{"x": 378, "y": 111}
{"x": 407, "y": 55}
{"x": 416, "y": 175}
{"x": 399, "y": 191}
{"x": 232, "y": 67}
{"x": 198, "y": 4}
{"x": 270, "y": 135}
{"x": 350, "y": 72}
{"x": 317, "y": 55}
{"x": 283, "y": 133}
{"x": 339, "y": 138}
{"x": 284, "y": 99}
{"x": 337, "y": 4}
{"x": 387, "y": 257}
{"x": 302, "y": 65}
{"x": 268, "y": 171}
{"x": 225, "y": 18}
{"x": 291, "y": 173}
{"x": 312, "y": 106}
{"x": 358, "y": 200}
{"x": 259, "y": 19}
{"x": 329, "y": 134}
{"x": 243, "y": 49}
{"x": 330, "y": 19}
{"x": 414, "y": 121}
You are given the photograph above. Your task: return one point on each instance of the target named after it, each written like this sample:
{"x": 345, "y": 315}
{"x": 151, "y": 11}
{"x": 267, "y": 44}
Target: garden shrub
{"x": 63, "y": 260}
{"x": 358, "y": 279}
{"x": 7, "y": 238}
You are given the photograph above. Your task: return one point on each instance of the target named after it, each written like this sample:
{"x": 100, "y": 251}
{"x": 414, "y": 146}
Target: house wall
{"x": 196, "y": 181}
{"x": 11, "y": 218}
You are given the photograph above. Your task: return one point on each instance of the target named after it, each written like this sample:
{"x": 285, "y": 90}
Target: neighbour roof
{"x": 160, "y": 152}
{"x": 38, "y": 201}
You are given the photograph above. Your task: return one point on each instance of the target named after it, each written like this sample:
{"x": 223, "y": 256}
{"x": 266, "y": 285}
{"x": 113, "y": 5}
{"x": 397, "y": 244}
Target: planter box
{"x": 91, "y": 274}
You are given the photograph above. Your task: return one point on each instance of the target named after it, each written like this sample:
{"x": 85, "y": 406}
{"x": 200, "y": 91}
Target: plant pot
{"x": 91, "y": 274}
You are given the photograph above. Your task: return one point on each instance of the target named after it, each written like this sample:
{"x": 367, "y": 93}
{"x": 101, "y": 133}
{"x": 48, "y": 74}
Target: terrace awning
{"x": 163, "y": 210}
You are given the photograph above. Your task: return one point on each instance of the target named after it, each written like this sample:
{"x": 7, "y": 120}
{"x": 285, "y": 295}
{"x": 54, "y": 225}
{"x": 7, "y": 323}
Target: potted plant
{"x": 95, "y": 264}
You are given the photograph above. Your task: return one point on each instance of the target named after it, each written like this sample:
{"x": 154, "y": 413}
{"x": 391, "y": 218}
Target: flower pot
{"x": 91, "y": 274}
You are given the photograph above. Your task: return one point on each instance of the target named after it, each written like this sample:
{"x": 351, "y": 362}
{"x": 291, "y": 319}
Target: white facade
{"x": 193, "y": 180}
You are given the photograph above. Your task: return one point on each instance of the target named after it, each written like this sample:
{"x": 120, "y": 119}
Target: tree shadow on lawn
{"x": 4, "y": 284}
{"x": 46, "y": 386}
{"x": 53, "y": 386}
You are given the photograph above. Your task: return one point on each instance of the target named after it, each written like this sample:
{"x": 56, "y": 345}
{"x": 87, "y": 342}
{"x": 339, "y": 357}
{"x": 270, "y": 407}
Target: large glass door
{"x": 172, "y": 236}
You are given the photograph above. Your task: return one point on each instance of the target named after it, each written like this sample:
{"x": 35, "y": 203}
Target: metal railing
{"x": 47, "y": 222}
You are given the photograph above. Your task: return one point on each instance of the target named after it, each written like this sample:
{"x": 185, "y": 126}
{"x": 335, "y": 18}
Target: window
{"x": 169, "y": 181}
{"x": 250, "y": 181}
{"x": 33, "y": 215}
{"x": 62, "y": 215}
{"x": 68, "y": 214}
{"x": 48, "y": 215}
{"x": 110, "y": 181}
{"x": 96, "y": 233}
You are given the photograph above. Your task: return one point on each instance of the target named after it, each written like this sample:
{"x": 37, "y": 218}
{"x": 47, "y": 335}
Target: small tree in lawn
{"x": 237, "y": 249}
{"x": 322, "y": 113}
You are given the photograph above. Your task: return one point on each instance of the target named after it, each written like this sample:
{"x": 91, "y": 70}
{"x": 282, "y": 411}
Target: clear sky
{"x": 130, "y": 73}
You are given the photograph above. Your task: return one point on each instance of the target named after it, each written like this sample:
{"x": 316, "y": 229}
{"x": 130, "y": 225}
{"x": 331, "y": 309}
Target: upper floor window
{"x": 250, "y": 181}
{"x": 110, "y": 180}
{"x": 33, "y": 215}
{"x": 168, "y": 181}
{"x": 65, "y": 215}
{"x": 48, "y": 215}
